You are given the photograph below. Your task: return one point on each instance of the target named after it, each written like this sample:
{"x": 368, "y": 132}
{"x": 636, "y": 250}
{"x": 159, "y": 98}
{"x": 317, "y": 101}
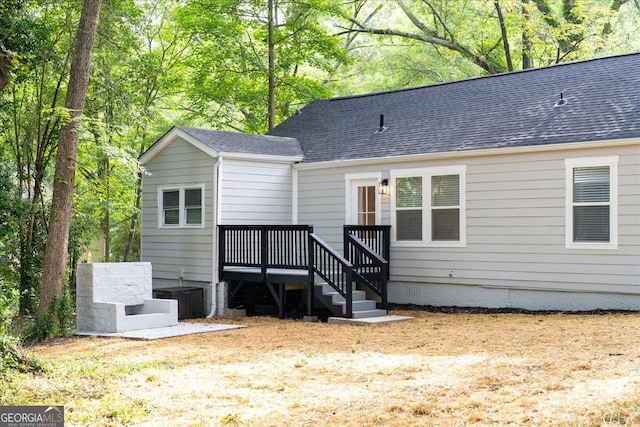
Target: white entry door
{"x": 364, "y": 204}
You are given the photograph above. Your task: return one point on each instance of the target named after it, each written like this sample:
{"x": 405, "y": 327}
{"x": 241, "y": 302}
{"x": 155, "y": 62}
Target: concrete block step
{"x": 369, "y": 313}
{"x": 336, "y": 298}
{"x": 365, "y": 305}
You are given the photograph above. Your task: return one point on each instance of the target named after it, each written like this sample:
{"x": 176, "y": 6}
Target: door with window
{"x": 364, "y": 206}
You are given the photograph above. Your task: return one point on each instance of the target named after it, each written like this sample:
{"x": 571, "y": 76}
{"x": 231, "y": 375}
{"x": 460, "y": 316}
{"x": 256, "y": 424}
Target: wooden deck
{"x": 282, "y": 255}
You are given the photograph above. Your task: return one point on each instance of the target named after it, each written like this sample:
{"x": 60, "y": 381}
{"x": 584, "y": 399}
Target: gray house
{"x": 519, "y": 190}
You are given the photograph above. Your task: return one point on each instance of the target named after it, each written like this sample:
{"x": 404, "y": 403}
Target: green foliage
{"x": 229, "y": 70}
{"x": 55, "y": 322}
{"x": 9, "y": 302}
{"x": 14, "y": 358}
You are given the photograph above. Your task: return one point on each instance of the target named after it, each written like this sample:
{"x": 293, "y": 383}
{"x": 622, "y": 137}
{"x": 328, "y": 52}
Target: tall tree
{"x": 39, "y": 34}
{"x": 245, "y": 50}
{"x": 55, "y": 261}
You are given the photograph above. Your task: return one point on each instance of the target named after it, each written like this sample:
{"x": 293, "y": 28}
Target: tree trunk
{"x": 526, "y": 39}
{"x": 272, "y": 69}
{"x": 55, "y": 260}
{"x": 503, "y": 31}
{"x": 5, "y": 66}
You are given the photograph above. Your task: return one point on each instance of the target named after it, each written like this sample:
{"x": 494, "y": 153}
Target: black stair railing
{"x": 376, "y": 237}
{"x": 369, "y": 267}
{"x": 333, "y": 268}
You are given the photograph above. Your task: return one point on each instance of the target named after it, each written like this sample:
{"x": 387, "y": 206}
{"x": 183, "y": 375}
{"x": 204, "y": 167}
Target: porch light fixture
{"x": 383, "y": 187}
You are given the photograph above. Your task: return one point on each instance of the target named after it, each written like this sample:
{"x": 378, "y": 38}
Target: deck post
{"x": 310, "y": 264}
{"x": 264, "y": 245}
{"x": 349, "y": 293}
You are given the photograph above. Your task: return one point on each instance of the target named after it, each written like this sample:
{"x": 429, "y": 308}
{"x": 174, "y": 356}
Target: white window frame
{"x": 182, "y": 215}
{"x": 349, "y": 202}
{"x": 612, "y": 163}
{"x": 426, "y": 174}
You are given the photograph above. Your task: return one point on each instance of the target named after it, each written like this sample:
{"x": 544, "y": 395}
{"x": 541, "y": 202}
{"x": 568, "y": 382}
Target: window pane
{"x": 591, "y": 184}
{"x": 194, "y": 216}
{"x": 371, "y": 219}
{"x": 445, "y": 190}
{"x": 591, "y": 224}
{"x": 171, "y": 217}
{"x": 371, "y": 199}
{"x": 193, "y": 197}
{"x": 445, "y": 224}
{"x": 409, "y": 192}
{"x": 170, "y": 199}
{"x": 409, "y": 225}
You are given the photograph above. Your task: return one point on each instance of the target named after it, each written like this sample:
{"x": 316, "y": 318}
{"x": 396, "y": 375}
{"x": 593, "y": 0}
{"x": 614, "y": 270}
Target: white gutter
{"x": 214, "y": 260}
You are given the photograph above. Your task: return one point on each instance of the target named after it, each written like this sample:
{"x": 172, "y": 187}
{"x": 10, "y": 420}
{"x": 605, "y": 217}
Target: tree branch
{"x": 436, "y": 41}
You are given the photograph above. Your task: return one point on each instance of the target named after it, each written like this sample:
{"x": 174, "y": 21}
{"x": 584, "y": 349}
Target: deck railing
{"x": 296, "y": 247}
{"x": 264, "y": 246}
{"x": 334, "y": 269}
{"x": 371, "y": 269}
{"x": 376, "y": 237}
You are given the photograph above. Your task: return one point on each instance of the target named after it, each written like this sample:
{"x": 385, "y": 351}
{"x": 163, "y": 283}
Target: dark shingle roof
{"x": 236, "y": 142}
{"x": 507, "y": 110}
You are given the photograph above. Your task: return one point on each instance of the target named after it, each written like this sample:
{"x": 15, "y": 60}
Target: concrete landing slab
{"x": 180, "y": 329}
{"x": 381, "y": 320}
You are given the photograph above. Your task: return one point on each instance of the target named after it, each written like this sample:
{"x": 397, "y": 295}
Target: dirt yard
{"x": 437, "y": 369}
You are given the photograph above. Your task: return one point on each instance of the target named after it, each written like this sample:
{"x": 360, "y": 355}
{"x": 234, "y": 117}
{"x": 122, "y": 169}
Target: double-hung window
{"x": 181, "y": 207}
{"x": 429, "y": 206}
{"x": 592, "y": 208}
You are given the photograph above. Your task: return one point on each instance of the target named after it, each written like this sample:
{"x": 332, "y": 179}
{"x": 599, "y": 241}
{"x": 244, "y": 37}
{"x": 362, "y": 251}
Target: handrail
{"x": 333, "y": 268}
{"x": 377, "y": 237}
{"x": 370, "y": 268}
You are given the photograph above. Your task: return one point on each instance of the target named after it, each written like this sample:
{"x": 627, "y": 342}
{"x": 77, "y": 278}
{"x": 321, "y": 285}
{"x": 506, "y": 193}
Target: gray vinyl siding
{"x": 255, "y": 193}
{"x": 171, "y": 250}
{"x": 515, "y": 233}
{"x": 321, "y": 202}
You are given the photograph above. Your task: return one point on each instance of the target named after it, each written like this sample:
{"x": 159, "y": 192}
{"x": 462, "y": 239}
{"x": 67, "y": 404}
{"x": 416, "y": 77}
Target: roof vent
{"x": 382, "y": 127}
{"x": 561, "y": 101}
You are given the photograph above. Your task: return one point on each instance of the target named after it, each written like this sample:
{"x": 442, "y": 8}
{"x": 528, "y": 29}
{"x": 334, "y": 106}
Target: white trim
{"x": 484, "y": 152}
{"x": 219, "y": 189}
{"x": 181, "y": 207}
{"x": 294, "y": 196}
{"x": 426, "y": 174}
{"x": 372, "y": 177}
{"x": 175, "y": 134}
{"x": 612, "y": 163}
{"x": 214, "y": 266}
{"x": 261, "y": 157}
{"x": 169, "y": 138}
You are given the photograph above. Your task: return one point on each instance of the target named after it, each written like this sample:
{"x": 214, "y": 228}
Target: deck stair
{"x": 361, "y": 306}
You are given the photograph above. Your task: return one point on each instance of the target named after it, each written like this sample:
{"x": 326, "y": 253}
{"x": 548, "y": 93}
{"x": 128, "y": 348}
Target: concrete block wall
{"x": 103, "y": 290}
{"x": 128, "y": 283}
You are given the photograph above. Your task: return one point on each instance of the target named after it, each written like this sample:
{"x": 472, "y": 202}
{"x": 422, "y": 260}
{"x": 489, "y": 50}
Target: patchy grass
{"x": 438, "y": 369}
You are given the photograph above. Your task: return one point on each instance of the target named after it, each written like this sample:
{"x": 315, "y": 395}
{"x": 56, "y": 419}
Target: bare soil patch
{"x": 438, "y": 369}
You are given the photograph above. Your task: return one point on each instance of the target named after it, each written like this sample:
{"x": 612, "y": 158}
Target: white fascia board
{"x": 471, "y": 153}
{"x": 261, "y": 157}
{"x": 171, "y": 137}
